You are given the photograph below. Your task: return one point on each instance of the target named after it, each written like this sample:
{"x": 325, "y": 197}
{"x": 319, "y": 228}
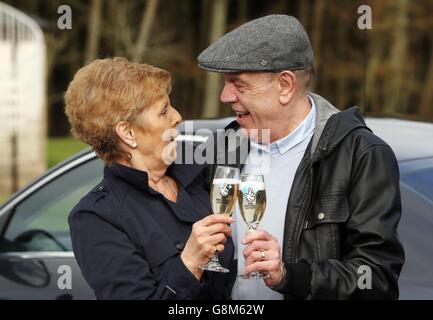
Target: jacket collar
{"x": 324, "y": 111}
{"x": 332, "y": 126}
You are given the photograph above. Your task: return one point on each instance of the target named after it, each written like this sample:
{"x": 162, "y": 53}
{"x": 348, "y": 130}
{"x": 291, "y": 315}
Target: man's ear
{"x": 126, "y": 134}
{"x": 287, "y": 83}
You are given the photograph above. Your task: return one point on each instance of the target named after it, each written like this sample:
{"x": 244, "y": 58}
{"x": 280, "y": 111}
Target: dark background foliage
{"x": 387, "y": 70}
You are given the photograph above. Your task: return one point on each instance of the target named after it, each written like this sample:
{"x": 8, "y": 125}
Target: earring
{"x": 134, "y": 145}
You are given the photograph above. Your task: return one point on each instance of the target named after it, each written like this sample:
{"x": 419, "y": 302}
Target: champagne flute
{"x": 223, "y": 196}
{"x": 252, "y": 204}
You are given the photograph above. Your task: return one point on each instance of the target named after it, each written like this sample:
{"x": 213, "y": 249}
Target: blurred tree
{"x": 396, "y": 92}
{"x": 304, "y": 13}
{"x": 341, "y": 56}
{"x": 213, "y": 80}
{"x": 316, "y": 37}
{"x": 397, "y": 75}
{"x": 145, "y": 28}
{"x": 242, "y": 11}
{"x": 94, "y": 30}
{"x": 376, "y": 48}
{"x": 426, "y": 105}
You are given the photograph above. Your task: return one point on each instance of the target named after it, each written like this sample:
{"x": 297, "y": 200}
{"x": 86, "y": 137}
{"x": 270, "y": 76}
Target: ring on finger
{"x": 262, "y": 255}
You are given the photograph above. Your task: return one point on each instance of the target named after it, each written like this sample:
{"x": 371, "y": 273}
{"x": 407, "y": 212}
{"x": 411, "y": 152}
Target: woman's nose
{"x": 228, "y": 94}
{"x": 177, "y": 118}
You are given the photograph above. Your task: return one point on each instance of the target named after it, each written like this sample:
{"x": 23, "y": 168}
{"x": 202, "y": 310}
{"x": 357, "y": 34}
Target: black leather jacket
{"x": 342, "y": 214}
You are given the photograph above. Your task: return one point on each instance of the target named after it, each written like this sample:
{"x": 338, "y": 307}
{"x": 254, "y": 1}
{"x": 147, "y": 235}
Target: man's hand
{"x": 262, "y": 253}
{"x": 207, "y": 236}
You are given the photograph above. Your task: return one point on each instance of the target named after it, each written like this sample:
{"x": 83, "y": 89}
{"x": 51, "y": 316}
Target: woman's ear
{"x": 287, "y": 82}
{"x": 126, "y": 134}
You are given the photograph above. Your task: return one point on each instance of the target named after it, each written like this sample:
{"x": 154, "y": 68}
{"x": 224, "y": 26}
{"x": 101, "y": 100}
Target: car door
{"x": 36, "y": 258}
{"x": 416, "y": 229}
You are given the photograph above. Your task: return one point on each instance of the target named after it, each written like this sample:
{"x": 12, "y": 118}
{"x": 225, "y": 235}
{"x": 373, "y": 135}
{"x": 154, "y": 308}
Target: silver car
{"x": 36, "y": 258}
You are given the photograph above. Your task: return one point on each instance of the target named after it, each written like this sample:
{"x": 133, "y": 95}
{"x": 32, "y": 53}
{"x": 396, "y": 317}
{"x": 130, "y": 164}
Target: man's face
{"x": 253, "y": 96}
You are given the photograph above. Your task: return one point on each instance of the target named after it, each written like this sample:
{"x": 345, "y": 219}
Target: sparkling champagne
{"x": 224, "y": 193}
{"x": 252, "y": 202}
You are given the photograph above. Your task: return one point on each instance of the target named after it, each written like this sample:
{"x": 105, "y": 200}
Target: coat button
{"x": 179, "y": 245}
{"x": 321, "y": 216}
{"x": 100, "y": 189}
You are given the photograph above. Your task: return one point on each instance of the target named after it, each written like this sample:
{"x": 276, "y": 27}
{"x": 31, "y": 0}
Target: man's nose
{"x": 228, "y": 94}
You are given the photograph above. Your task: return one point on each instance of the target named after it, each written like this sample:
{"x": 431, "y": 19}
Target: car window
{"x": 39, "y": 223}
{"x": 421, "y": 181}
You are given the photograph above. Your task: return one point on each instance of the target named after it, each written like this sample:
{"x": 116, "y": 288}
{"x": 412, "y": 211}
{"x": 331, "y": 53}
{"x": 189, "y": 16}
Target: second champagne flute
{"x": 252, "y": 204}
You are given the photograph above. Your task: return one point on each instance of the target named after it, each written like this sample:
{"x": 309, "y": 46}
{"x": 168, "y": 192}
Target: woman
{"x": 143, "y": 232}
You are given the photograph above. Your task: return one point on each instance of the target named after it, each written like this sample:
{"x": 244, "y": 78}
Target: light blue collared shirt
{"x": 278, "y": 163}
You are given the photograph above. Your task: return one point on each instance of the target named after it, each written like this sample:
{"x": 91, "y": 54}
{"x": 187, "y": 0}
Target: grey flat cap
{"x": 271, "y": 43}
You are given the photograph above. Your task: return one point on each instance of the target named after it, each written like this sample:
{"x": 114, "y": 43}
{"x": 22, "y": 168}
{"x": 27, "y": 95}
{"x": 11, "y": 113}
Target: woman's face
{"x": 156, "y": 137}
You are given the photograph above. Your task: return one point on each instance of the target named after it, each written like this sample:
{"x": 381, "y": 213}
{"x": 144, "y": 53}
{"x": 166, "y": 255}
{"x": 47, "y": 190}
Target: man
{"x": 333, "y": 199}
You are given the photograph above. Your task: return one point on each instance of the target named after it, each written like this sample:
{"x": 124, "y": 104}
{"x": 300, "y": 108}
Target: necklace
{"x": 169, "y": 184}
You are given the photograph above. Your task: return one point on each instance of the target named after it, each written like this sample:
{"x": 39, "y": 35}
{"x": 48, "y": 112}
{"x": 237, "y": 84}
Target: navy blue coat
{"x": 127, "y": 238}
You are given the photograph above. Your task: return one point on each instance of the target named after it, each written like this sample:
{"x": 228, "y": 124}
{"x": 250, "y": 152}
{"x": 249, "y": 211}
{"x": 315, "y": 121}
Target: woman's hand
{"x": 208, "y": 235}
{"x": 262, "y": 253}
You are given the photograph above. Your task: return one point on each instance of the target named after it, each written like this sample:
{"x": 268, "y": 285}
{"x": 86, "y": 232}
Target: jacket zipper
{"x": 301, "y": 225}
{"x": 312, "y": 188}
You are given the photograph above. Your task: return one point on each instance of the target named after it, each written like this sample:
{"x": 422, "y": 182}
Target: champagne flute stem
{"x": 215, "y": 257}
